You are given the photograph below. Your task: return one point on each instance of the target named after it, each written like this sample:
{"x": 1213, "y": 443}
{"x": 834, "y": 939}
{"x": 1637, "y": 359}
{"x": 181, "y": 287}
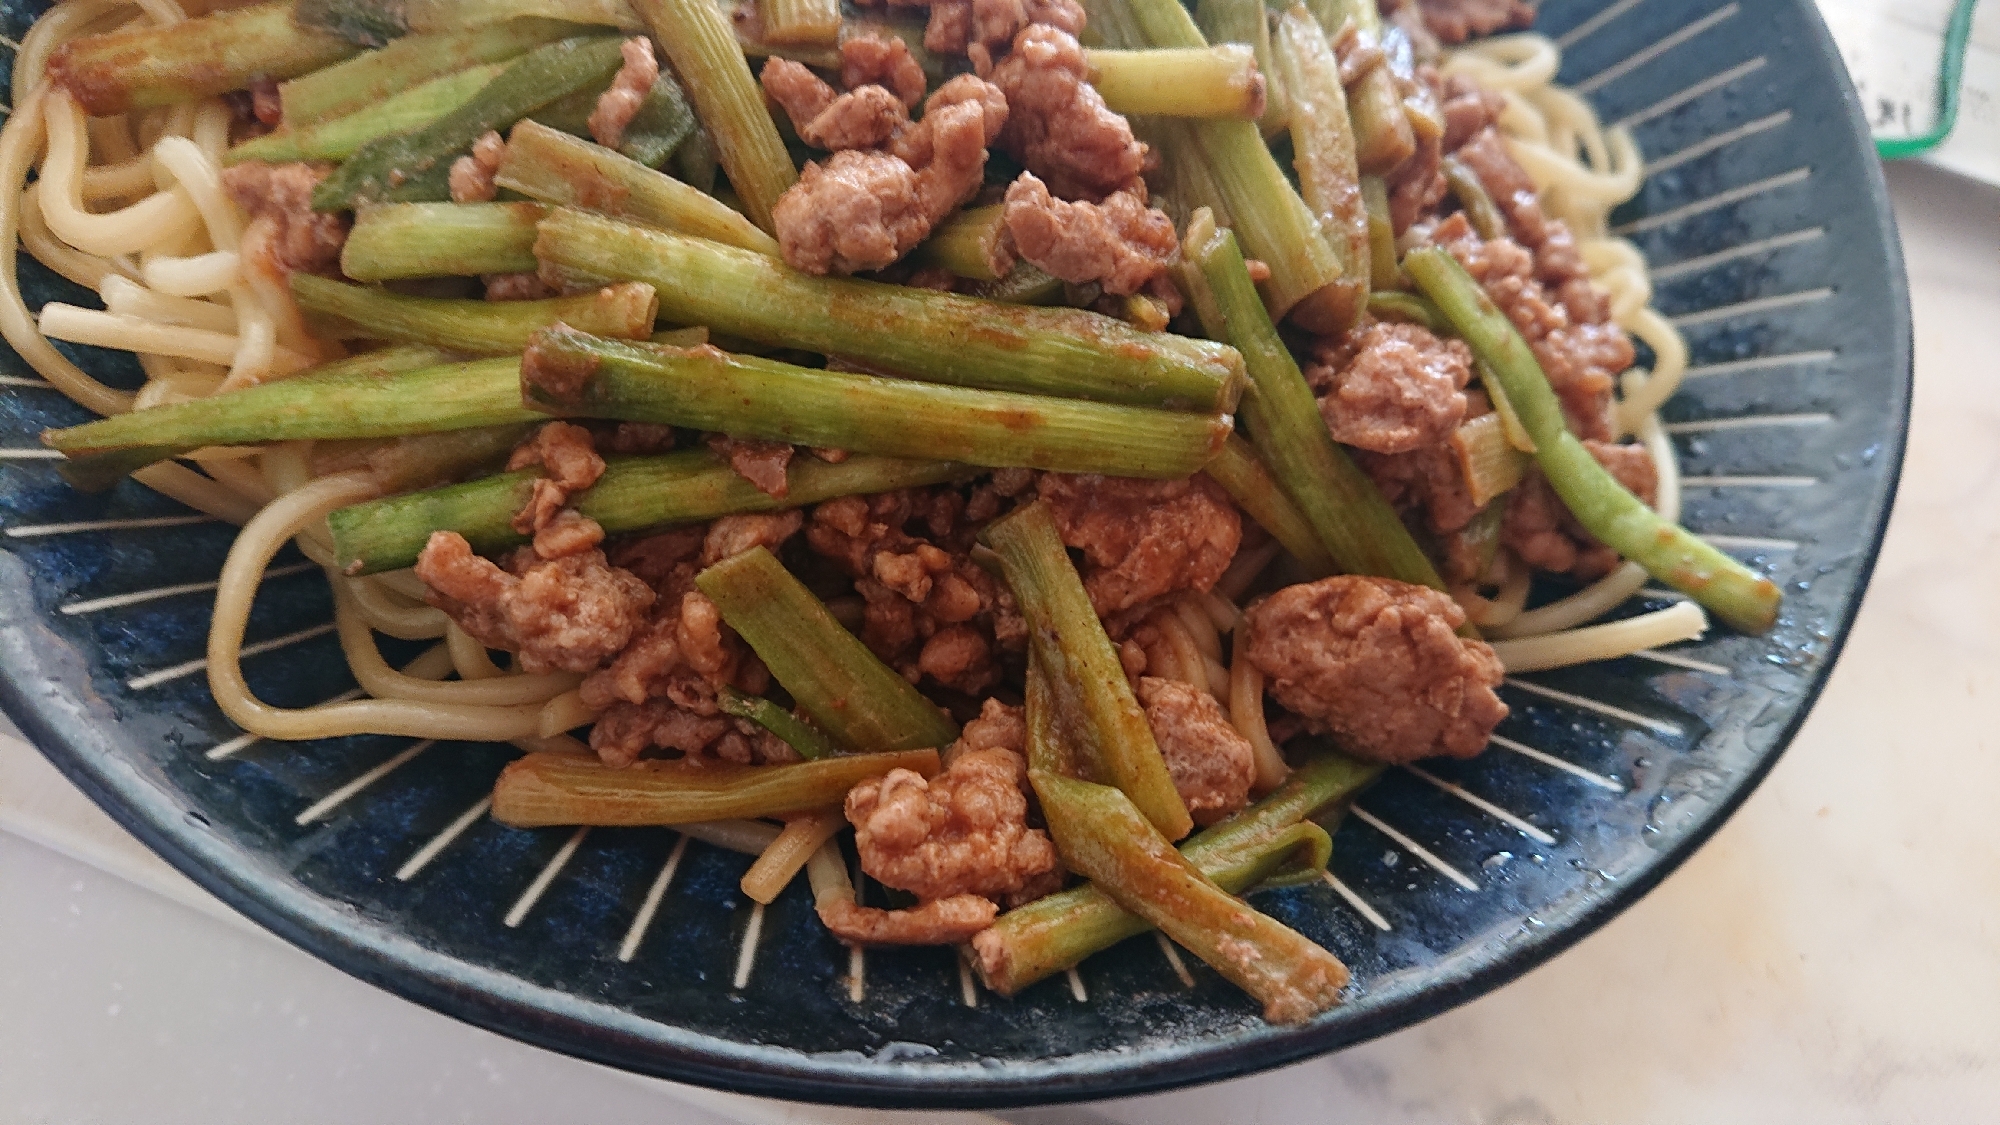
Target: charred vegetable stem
{"x": 479, "y": 327}
{"x": 796, "y": 732}
{"x": 1619, "y": 519}
{"x": 855, "y": 698}
{"x": 704, "y": 52}
{"x": 1219, "y": 81}
{"x": 1323, "y": 148}
{"x": 915, "y": 332}
{"x": 1249, "y": 482}
{"x": 544, "y": 789}
{"x": 1102, "y": 836}
{"x": 342, "y": 137}
{"x": 1244, "y": 21}
{"x": 369, "y": 78}
{"x": 800, "y": 23}
{"x": 1382, "y": 129}
{"x": 707, "y": 389}
{"x": 402, "y": 240}
{"x": 553, "y": 167}
{"x": 1086, "y": 680}
{"x": 198, "y": 58}
{"x": 634, "y": 494}
{"x": 1359, "y": 528}
{"x": 1052, "y": 933}
{"x": 971, "y": 244}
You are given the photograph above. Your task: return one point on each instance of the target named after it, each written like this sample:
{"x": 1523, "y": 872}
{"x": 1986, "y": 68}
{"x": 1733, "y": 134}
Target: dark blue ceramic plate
{"x": 1766, "y": 219}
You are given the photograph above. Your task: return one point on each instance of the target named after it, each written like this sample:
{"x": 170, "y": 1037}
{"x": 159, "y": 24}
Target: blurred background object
{"x": 1928, "y": 72}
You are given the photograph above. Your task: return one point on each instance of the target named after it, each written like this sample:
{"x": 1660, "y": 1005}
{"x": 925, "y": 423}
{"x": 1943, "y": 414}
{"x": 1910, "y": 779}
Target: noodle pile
{"x": 132, "y": 207}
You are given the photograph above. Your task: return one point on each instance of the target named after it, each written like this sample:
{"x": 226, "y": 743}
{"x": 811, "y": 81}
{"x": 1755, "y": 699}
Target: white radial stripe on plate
{"x": 651, "y": 905}
{"x": 1679, "y": 661}
{"x": 1718, "y": 200}
{"x": 135, "y": 523}
{"x": 1654, "y": 50}
{"x": 1674, "y": 101}
{"x": 1415, "y": 849}
{"x": 30, "y": 455}
{"x": 1518, "y": 824}
{"x": 155, "y": 679}
{"x": 1748, "y": 542}
{"x": 1174, "y": 961}
{"x": 1720, "y": 140}
{"x": 1588, "y": 704}
{"x": 10, "y": 44}
{"x": 438, "y": 843}
{"x": 136, "y": 597}
{"x": 1746, "y": 422}
{"x": 1748, "y": 482}
{"x": 1751, "y": 307}
{"x": 1595, "y": 23}
{"x": 1359, "y": 904}
{"x": 29, "y": 384}
{"x": 746, "y": 954}
{"x": 1761, "y": 363}
{"x": 334, "y": 799}
{"x": 546, "y": 876}
{"x": 1776, "y": 242}
{"x": 1076, "y": 989}
{"x": 1548, "y": 759}
{"x": 968, "y": 989}
{"x": 857, "y": 974}
{"x": 246, "y": 740}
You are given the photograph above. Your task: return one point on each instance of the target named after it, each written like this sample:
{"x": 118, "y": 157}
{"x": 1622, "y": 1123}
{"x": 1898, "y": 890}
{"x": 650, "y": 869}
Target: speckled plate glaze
{"x": 1765, "y": 217}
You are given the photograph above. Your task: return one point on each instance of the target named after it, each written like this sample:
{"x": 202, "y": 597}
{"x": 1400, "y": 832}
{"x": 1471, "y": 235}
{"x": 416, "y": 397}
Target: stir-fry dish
{"x": 1067, "y": 447}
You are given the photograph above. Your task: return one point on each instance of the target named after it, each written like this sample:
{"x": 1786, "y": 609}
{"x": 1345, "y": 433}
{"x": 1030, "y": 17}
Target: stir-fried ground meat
{"x": 471, "y": 176}
{"x": 566, "y": 614}
{"x": 265, "y": 102}
{"x": 624, "y": 731}
{"x": 946, "y": 921}
{"x": 762, "y": 463}
{"x": 619, "y": 104}
{"x": 964, "y": 831}
{"x": 1058, "y": 126}
{"x": 1455, "y": 21}
{"x": 1424, "y": 484}
{"x": 732, "y": 535}
{"x": 636, "y": 437}
{"x": 862, "y": 210}
{"x": 930, "y": 610}
{"x": 1582, "y": 358}
{"x": 1121, "y": 243}
{"x": 1144, "y": 538}
{"x": 1212, "y": 765}
{"x": 867, "y": 117}
{"x": 1000, "y": 726}
{"x": 1392, "y": 388}
{"x": 983, "y": 29}
{"x": 285, "y": 233}
{"x": 1559, "y": 266}
{"x": 567, "y": 453}
{"x": 1377, "y": 663}
{"x": 527, "y": 285}
{"x": 876, "y": 60}
{"x": 1539, "y": 529}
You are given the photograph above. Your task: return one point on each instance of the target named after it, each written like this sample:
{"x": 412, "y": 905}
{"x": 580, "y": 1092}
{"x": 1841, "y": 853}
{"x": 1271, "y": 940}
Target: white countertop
{"x": 1829, "y": 957}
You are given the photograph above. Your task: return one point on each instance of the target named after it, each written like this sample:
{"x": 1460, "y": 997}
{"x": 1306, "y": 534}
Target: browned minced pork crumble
{"x": 963, "y": 831}
{"x": 471, "y": 176}
{"x": 568, "y": 456}
{"x": 983, "y": 29}
{"x": 1379, "y": 664}
{"x": 1212, "y": 765}
{"x": 885, "y": 61}
{"x": 1391, "y": 388}
{"x": 1121, "y": 243}
{"x": 1143, "y": 539}
{"x": 1058, "y": 126}
{"x": 1455, "y": 21}
{"x": 619, "y": 104}
{"x": 285, "y": 233}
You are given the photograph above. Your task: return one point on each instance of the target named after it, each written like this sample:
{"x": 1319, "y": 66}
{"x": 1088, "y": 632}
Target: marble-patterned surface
{"x": 1829, "y": 957}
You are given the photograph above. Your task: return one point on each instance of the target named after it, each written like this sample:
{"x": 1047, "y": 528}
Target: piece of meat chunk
{"x": 1540, "y": 529}
{"x": 1058, "y": 126}
{"x": 945, "y": 921}
{"x": 619, "y": 104}
{"x": 527, "y": 285}
{"x": 762, "y": 463}
{"x": 802, "y": 94}
{"x": 1378, "y": 664}
{"x": 983, "y": 29}
{"x": 1455, "y": 21}
{"x": 570, "y": 458}
{"x": 863, "y": 210}
{"x": 567, "y": 614}
{"x": 730, "y": 536}
{"x": 1393, "y": 388}
{"x": 1581, "y": 357}
{"x": 625, "y": 731}
{"x": 472, "y": 176}
{"x": 964, "y": 831}
{"x": 1000, "y": 726}
{"x": 868, "y": 117}
{"x": 1143, "y": 538}
{"x": 1121, "y": 243}
{"x": 882, "y": 60}
{"x": 1211, "y": 764}
{"x": 285, "y": 234}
